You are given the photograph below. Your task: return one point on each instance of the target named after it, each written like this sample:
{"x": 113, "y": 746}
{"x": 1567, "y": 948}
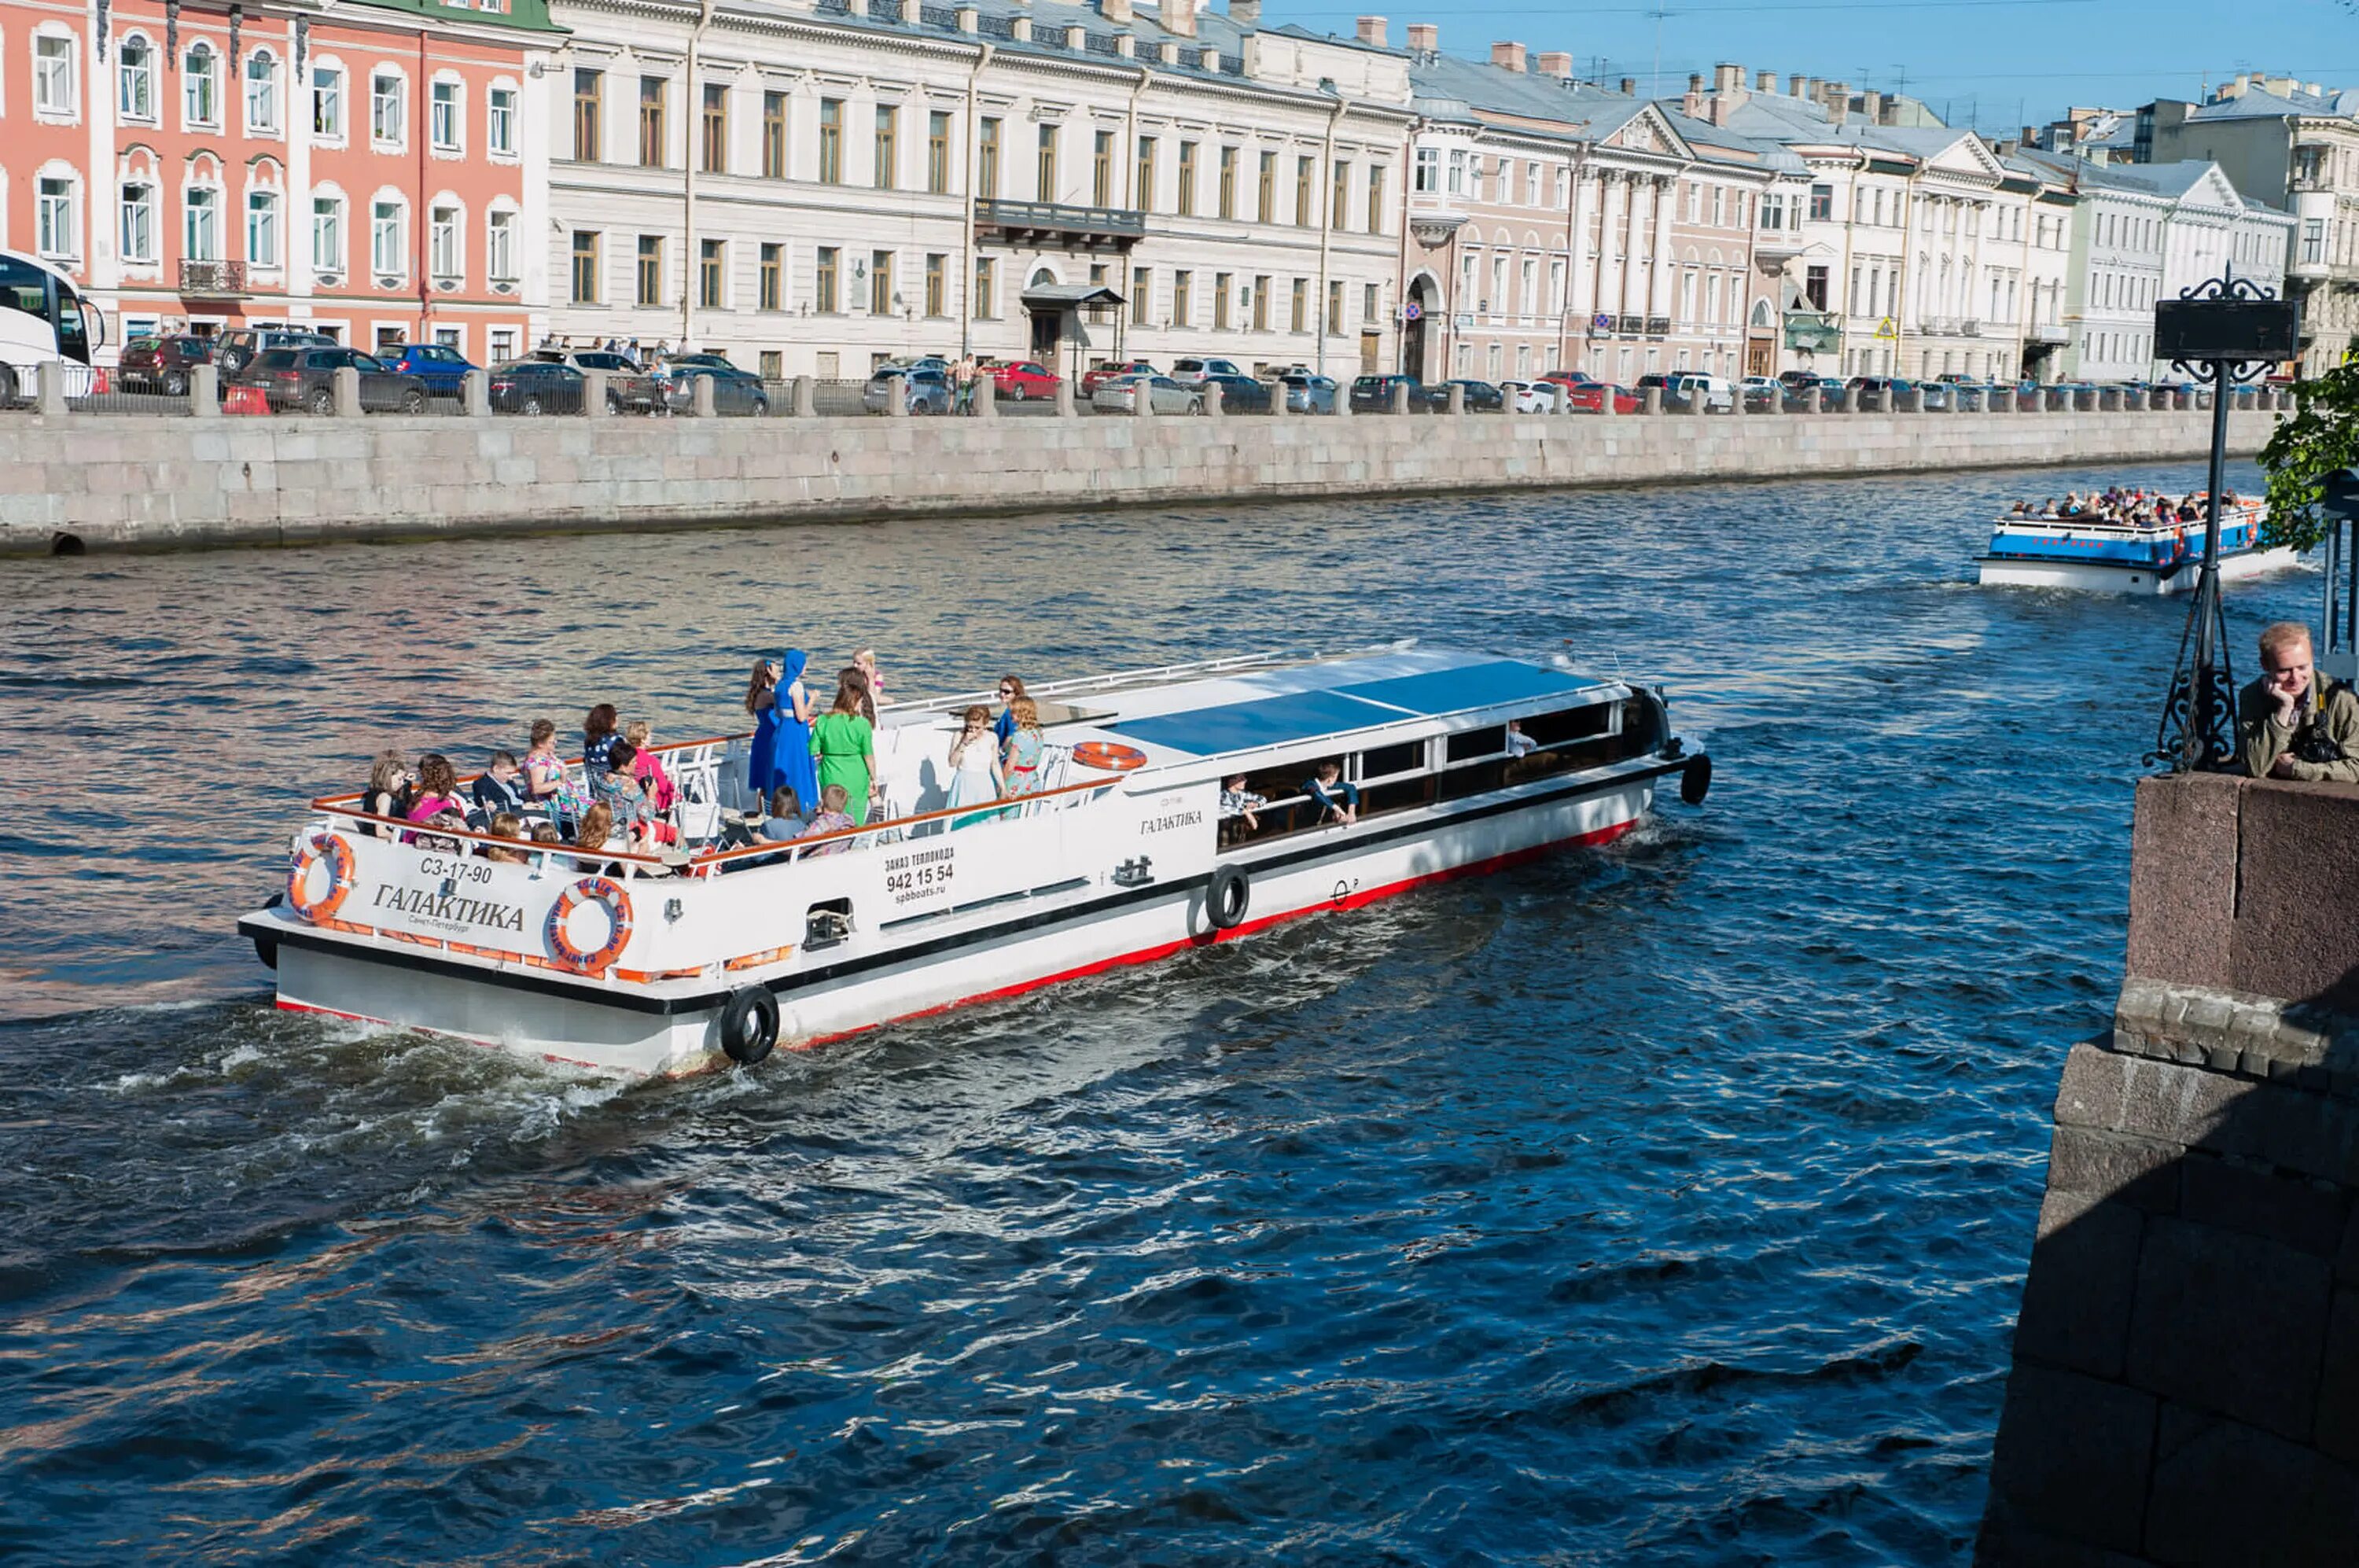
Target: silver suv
{"x": 235, "y": 350}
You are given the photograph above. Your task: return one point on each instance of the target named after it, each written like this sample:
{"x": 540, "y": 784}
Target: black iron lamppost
{"x": 2223, "y": 331}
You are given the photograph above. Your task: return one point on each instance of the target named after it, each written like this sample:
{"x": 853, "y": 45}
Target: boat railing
{"x": 1151, "y": 676}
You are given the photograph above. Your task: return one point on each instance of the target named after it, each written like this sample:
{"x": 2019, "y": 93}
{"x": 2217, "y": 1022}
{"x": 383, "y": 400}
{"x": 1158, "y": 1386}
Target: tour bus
{"x": 43, "y": 321}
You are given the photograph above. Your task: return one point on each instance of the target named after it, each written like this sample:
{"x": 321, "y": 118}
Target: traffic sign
{"x": 1884, "y": 329}
{"x": 1412, "y": 311}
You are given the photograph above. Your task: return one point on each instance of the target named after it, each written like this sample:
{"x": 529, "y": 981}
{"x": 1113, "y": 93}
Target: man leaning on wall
{"x": 2290, "y": 723}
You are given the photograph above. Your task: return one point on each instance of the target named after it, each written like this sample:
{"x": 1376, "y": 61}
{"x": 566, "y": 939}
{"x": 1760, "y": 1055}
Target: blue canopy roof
{"x": 1307, "y": 715}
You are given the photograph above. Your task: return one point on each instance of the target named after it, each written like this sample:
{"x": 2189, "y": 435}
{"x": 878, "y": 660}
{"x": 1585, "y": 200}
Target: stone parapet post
{"x": 1457, "y": 397}
{"x": 987, "y": 397}
{"x": 806, "y": 398}
{"x": 897, "y": 397}
{"x": 700, "y": 397}
{"x": 475, "y": 394}
{"x": 593, "y": 394}
{"x": 348, "y": 392}
{"x": 1142, "y": 399}
{"x": 49, "y": 388}
{"x": 204, "y": 391}
{"x": 1066, "y": 406}
{"x": 1851, "y": 400}
{"x": 1400, "y": 396}
{"x": 1216, "y": 402}
{"x": 1650, "y": 401}
{"x": 1277, "y": 397}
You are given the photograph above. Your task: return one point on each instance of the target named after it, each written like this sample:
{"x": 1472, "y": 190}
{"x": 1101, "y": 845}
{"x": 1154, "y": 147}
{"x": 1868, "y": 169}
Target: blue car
{"x": 442, "y": 367}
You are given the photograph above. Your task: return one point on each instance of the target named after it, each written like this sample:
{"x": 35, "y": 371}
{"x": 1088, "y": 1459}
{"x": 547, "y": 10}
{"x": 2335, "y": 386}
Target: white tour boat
{"x": 2101, "y": 556}
{"x": 644, "y": 965}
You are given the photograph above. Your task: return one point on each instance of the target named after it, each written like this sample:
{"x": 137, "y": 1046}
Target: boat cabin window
{"x": 1388, "y": 760}
{"x": 827, "y": 923}
{"x": 1468, "y": 744}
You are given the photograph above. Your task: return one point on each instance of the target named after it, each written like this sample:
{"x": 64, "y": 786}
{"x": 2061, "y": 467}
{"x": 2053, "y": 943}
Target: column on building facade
{"x": 1661, "y": 285}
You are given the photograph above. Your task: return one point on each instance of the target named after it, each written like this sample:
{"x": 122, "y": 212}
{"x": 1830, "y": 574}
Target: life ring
{"x": 748, "y": 1025}
{"x": 617, "y": 905}
{"x": 1109, "y": 757}
{"x": 1227, "y": 896}
{"x": 338, "y": 854}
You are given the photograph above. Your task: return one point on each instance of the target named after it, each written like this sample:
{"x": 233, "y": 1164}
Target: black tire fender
{"x": 1227, "y": 897}
{"x": 1695, "y": 779}
{"x": 267, "y": 948}
{"x": 748, "y": 1025}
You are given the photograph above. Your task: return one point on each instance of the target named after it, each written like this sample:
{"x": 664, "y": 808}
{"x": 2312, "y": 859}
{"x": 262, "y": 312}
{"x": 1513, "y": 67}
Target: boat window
{"x": 1489, "y": 741}
{"x": 1480, "y": 778}
{"x": 1398, "y": 795}
{"x": 827, "y": 923}
{"x": 1386, "y": 761}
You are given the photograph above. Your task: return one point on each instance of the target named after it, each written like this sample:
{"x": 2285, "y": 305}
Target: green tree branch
{"x": 2319, "y": 440}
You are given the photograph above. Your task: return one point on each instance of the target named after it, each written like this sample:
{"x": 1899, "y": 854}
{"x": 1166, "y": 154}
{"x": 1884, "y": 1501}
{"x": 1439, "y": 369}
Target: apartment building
{"x": 376, "y": 171}
{"x": 815, "y": 187}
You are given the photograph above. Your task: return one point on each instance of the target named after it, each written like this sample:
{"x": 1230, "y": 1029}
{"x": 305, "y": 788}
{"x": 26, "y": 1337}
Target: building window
{"x": 1142, "y": 190}
{"x": 499, "y": 128}
{"x": 202, "y": 211}
{"x": 1822, "y": 204}
{"x": 1228, "y": 194}
{"x": 773, "y": 136}
{"x": 1814, "y": 286}
{"x": 651, "y": 269}
{"x": 1425, "y": 174}
{"x": 201, "y": 93}
{"x": 1142, "y": 292}
{"x": 1376, "y": 198}
{"x": 986, "y": 160}
{"x": 1046, "y": 164}
{"x": 1187, "y": 202}
{"x": 1773, "y": 210}
{"x": 652, "y": 90}
{"x": 1261, "y": 304}
{"x": 716, "y": 140}
{"x": 2313, "y": 239}
{"x": 589, "y": 98}
{"x": 585, "y": 267}
{"x": 1302, "y": 304}
{"x": 1340, "y": 216}
{"x": 327, "y": 235}
{"x": 1302, "y": 207}
{"x": 1334, "y": 323}
{"x": 880, "y": 282}
{"x": 442, "y": 241}
{"x": 139, "y": 222}
{"x": 1182, "y": 302}
{"x": 262, "y": 94}
{"x": 984, "y": 277}
{"x": 774, "y": 364}
{"x": 1367, "y": 305}
{"x": 1458, "y": 175}
{"x": 823, "y": 283}
{"x": 1268, "y": 205}
{"x": 53, "y": 74}
{"x": 54, "y": 229}
{"x": 388, "y": 250}
{"x": 262, "y": 228}
{"x": 499, "y": 247}
{"x": 442, "y": 116}
{"x": 1102, "y": 170}
{"x": 888, "y": 128}
{"x": 709, "y": 273}
{"x": 831, "y": 141}
{"x": 1222, "y": 283}
{"x": 135, "y": 79}
{"x": 938, "y": 154}
{"x": 384, "y": 110}
{"x": 937, "y": 282}
{"x": 773, "y": 276}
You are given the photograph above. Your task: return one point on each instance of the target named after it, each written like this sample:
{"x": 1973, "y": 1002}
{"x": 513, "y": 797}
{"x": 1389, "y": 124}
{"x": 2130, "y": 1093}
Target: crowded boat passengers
{"x": 2123, "y": 507}
{"x": 810, "y": 773}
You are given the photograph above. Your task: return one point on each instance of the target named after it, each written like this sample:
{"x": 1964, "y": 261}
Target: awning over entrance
{"x": 1068, "y": 296}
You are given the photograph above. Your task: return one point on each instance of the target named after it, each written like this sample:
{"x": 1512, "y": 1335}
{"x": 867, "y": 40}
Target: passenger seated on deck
{"x": 438, "y": 803}
{"x": 597, "y": 832}
{"x": 785, "y": 820}
{"x": 545, "y": 785}
{"x": 2290, "y": 723}
{"x": 2021, "y": 508}
{"x": 1240, "y": 802}
{"x": 648, "y": 770}
{"x": 507, "y": 824}
{"x": 1518, "y": 742}
{"x": 500, "y": 787}
{"x": 598, "y": 738}
{"x": 834, "y": 816}
{"x": 634, "y": 810}
{"x": 1332, "y": 798}
{"x": 392, "y": 791}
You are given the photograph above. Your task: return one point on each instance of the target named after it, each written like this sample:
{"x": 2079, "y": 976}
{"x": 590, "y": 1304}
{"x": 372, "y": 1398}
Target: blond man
{"x": 2289, "y": 724}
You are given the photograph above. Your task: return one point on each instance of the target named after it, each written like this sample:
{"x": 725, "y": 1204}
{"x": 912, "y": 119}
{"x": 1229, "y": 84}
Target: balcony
{"x": 1629, "y": 326}
{"x": 1433, "y": 228}
{"x": 1777, "y": 245}
{"x": 2049, "y": 332}
{"x": 213, "y": 281}
{"x": 1049, "y": 225}
{"x": 1658, "y": 326}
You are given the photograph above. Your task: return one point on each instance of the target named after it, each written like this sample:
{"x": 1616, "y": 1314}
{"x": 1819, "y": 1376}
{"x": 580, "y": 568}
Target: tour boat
{"x": 645, "y": 965}
{"x": 2104, "y": 557}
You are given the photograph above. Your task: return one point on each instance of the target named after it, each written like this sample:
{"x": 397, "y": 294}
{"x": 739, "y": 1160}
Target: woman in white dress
{"x": 976, "y": 777}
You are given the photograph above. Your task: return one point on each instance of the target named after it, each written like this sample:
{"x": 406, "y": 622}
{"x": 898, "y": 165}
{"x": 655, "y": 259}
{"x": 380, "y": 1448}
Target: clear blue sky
{"x": 1996, "y": 63}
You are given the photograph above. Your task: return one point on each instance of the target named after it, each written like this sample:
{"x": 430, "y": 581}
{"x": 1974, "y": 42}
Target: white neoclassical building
{"x": 813, "y": 188}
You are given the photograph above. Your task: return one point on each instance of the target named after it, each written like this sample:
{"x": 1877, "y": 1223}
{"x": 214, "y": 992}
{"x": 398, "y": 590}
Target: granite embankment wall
{"x": 2186, "y": 1379}
{"x": 117, "y": 482}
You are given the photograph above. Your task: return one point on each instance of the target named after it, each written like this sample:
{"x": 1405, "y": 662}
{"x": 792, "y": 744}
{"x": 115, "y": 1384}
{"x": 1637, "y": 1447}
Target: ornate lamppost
{"x": 2223, "y": 330}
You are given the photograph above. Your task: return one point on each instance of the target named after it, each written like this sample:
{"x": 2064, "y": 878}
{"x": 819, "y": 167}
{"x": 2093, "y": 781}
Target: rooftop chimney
{"x": 1245, "y": 13}
{"x": 1692, "y": 104}
{"x": 1872, "y": 105}
{"x": 1728, "y": 78}
{"x": 1372, "y": 30}
{"x": 1424, "y": 38}
{"x": 1766, "y": 83}
{"x": 1798, "y": 86}
{"x": 1115, "y": 11}
{"x": 1507, "y": 57}
{"x": 1554, "y": 64}
{"x": 1177, "y": 17}
{"x": 1629, "y": 87}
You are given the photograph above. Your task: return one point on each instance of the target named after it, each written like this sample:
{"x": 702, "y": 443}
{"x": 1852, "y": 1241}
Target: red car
{"x": 1588, "y": 397}
{"x": 1023, "y": 379}
{"x": 1106, "y": 370}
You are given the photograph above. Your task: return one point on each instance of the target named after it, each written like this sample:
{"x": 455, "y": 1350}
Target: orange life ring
{"x": 1108, "y": 757}
{"x": 332, "y": 849}
{"x": 617, "y": 905}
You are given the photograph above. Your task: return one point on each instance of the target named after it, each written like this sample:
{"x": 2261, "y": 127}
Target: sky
{"x": 1995, "y": 65}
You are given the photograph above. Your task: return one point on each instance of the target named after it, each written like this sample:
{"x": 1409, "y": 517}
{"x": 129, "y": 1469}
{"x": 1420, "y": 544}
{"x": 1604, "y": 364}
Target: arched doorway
{"x": 1424, "y": 299}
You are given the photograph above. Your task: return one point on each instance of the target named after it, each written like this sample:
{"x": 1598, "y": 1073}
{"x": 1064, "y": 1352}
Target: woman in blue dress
{"x": 796, "y": 767}
{"x": 762, "y": 756}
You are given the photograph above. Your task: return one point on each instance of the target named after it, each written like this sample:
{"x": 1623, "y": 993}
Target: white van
{"x": 1719, "y": 397}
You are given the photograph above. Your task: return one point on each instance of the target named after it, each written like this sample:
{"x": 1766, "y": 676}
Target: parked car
{"x": 735, "y": 391}
{"x": 930, "y": 391}
{"x": 1801, "y": 377}
{"x": 1308, "y": 393}
{"x": 1762, "y": 393}
{"x": 1717, "y": 395}
{"x": 629, "y": 388}
{"x": 1023, "y": 379}
{"x": 235, "y": 350}
{"x": 1189, "y": 372}
{"x": 1239, "y": 394}
{"x": 153, "y": 363}
{"x": 1880, "y": 393}
{"x": 1105, "y": 370}
{"x": 1482, "y": 397}
{"x": 540, "y": 386}
{"x": 717, "y": 361}
{"x": 442, "y": 367}
{"x": 1946, "y": 396}
{"x": 306, "y": 378}
{"x": 1666, "y": 390}
{"x": 1589, "y": 397}
{"x": 1373, "y": 394}
{"x": 1534, "y": 396}
{"x": 1570, "y": 378}
{"x": 1119, "y": 395}
{"x": 1804, "y": 395}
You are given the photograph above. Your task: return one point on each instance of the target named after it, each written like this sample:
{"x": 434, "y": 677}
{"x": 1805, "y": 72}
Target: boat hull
{"x": 613, "y": 1029}
{"x": 2136, "y": 579}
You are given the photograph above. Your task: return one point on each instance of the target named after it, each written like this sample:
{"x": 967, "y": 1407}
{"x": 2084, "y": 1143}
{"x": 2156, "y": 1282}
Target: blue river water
{"x": 1662, "y": 1205}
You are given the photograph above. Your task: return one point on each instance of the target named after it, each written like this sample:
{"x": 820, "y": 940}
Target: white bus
{"x": 43, "y": 321}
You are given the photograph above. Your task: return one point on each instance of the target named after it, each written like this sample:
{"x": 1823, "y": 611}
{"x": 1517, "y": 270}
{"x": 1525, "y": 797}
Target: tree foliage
{"x": 2320, "y": 440}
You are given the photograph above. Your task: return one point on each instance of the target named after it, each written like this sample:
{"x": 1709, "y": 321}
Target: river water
{"x": 1667, "y": 1204}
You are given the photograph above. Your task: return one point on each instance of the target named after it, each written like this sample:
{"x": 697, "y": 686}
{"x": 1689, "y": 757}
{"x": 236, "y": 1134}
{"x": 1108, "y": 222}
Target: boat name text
{"x": 1165, "y": 824}
{"x": 448, "y": 909}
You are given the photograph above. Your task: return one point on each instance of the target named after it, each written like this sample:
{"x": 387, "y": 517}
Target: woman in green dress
{"x": 845, "y": 744}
